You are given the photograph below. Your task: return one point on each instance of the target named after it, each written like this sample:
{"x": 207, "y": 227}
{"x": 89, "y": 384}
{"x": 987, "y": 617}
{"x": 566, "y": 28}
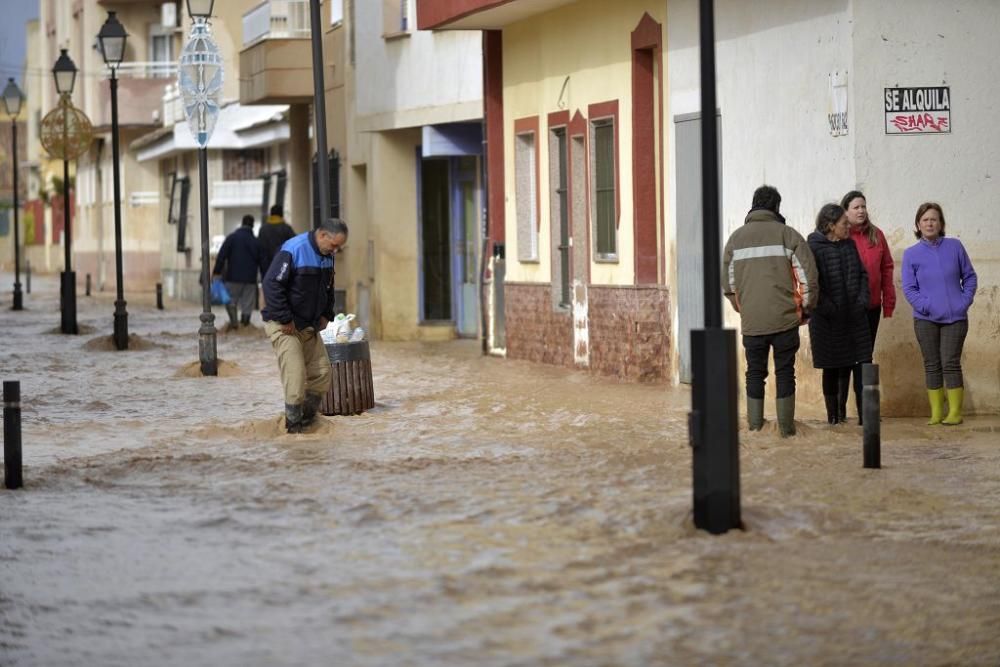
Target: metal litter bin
{"x": 351, "y": 390}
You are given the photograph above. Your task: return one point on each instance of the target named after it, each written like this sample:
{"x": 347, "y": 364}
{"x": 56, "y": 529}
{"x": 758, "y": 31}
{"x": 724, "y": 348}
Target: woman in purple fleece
{"x": 940, "y": 283}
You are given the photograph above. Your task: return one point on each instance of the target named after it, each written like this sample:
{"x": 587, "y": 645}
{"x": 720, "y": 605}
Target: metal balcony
{"x": 276, "y": 60}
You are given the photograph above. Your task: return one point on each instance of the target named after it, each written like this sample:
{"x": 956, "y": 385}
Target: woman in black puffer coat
{"x": 838, "y": 328}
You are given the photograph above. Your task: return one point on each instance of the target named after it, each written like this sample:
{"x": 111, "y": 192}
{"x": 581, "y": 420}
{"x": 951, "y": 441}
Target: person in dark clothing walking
{"x": 240, "y": 261}
{"x": 298, "y": 289}
{"x": 769, "y": 277}
{"x": 839, "y": 333}
{"x": 273, "y": 233}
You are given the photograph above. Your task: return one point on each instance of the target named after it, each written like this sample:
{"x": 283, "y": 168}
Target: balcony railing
{"x": 165, "y": 69}
{"x": 236, "y": 193}
{"x": 173, "y": 105}
{"x": 276, "y": 19}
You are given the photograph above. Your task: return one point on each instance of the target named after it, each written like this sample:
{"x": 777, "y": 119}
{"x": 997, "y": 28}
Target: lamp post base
{"x": 121, "y": 326}
{"x": 18, "y": 298}
{"x": 714, "y": 431}
{"x": 207, "y": 346}
{"x": 67, "y": 290}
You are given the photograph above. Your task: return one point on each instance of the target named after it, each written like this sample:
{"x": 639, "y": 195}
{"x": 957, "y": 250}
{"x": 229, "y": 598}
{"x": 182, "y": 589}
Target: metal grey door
{"x": 690, "y": 259}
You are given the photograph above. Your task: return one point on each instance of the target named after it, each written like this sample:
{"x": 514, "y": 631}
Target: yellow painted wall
{"x": 392, "y": 207}
{"x": 590, "y": 42}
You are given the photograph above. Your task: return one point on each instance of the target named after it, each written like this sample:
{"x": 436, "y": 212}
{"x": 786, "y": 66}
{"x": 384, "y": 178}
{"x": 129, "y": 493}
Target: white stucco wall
{"x": 421, "y": 78}
{"x": 773, "y": 64}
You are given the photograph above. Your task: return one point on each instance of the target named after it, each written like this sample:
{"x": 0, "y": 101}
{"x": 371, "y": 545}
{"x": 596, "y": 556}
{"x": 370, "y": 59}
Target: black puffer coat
{"x": 838, "y": 327}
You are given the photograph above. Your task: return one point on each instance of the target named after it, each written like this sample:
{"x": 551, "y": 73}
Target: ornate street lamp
{"x": 66, "y": 133}
{"x": 12, "y": 99}
{"x": 112, "y": 42}
{"x": 200, "y": 81}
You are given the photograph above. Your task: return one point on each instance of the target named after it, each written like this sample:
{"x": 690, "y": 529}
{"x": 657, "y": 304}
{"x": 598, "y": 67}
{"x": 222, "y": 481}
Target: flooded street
{"x": 486, "y": 512}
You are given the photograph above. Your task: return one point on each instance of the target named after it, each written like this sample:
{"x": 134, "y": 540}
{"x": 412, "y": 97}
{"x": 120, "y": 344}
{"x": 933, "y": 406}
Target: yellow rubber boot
{"x": 936, "y": 397}
{"x": 955, "y": 397}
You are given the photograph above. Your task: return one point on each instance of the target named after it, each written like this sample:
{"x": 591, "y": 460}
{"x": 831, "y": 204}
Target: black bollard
{"x": 87, "y": 287}
{"x": 159, "y": 296}
{"x": 870, "y": 398}
{"x": 12, "y": 435}
{"x": 27, "y": 278}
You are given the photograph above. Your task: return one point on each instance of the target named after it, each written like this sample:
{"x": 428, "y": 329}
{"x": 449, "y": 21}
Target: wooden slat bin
{"x": 351, "y": 391}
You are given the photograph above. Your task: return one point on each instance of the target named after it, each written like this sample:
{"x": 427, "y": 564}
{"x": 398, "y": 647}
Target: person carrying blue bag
{"x": 240, "y": 260}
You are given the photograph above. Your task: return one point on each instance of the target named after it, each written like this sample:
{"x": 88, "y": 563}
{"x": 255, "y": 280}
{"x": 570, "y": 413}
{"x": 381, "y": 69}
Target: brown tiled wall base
{"x": 629, "y": 330}
{"x": 535, "y": 331}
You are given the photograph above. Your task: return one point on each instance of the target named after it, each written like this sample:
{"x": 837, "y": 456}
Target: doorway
{"x": 435, "y": 237}
{"x": 690, "y": 255}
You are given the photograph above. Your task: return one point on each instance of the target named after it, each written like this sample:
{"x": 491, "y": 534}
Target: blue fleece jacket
{"x": 938, "y": 280}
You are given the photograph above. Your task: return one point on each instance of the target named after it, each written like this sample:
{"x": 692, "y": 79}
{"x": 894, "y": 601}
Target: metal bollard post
{"x": 12, "y": 435}
{"x": 27, "y": 278}
{"x": 87, "y": 287}
{"x": 872, "y": 429}
{"x": 159, "y": 296}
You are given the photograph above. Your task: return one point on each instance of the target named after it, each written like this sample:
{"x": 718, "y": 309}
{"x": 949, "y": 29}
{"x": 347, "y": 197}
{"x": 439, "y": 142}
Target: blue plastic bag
{"x": 220, "y": 295}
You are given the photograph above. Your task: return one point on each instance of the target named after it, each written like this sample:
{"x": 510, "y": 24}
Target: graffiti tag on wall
{"x": 918, "y": 110}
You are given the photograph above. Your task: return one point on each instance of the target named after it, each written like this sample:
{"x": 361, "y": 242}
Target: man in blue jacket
{"x": 298, "y": 290}
{"x": 240, "y": 260}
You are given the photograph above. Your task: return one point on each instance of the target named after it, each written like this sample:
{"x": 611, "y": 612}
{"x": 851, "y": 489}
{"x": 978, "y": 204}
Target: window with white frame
{"x": 603, "y": 184}
{"x": 526, "y": 196}
{"x": 395, "y": 17}
{"x": 336, "y": 11}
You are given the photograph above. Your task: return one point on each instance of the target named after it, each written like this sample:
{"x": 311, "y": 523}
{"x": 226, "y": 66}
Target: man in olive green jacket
{"x": 769, "y": 276}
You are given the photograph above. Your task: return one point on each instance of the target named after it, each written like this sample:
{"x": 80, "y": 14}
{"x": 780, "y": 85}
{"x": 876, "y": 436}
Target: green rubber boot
{"x": 786, "y": 415}
{"x": 755, "y": 413}
{"x": 936, "y": 398}
{"x": 955, "y": 397}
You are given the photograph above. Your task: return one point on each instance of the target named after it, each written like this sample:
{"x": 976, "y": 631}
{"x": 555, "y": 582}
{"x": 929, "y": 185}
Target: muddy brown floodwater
{"x": 486, "y": 512}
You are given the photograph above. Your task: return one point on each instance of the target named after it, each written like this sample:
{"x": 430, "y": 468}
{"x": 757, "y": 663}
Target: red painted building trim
{"x": 529, "y": 125}
{"x": 600, "y": 111}
{"x": 493, "y": 109}
{"x": 647, "y": 110}
{"x": 438, "y": 13}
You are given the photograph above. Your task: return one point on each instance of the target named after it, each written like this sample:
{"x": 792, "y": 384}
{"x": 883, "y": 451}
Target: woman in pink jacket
{"x": 877, "y": 260}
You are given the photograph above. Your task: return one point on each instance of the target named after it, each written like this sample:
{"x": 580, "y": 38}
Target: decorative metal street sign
{"x": 66, "y": 131}
{"x": 200, "y": 81}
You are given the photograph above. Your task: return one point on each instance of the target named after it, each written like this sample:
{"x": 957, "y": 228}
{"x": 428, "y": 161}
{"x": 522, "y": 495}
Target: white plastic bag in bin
{"x": 339, "y": 330}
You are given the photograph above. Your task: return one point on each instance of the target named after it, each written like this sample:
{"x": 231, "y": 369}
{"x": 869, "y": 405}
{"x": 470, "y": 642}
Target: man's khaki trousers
{"x": 302, "y": 362}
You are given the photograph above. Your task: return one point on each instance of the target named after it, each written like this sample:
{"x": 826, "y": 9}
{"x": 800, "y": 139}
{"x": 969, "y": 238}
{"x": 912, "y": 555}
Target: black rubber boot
{"x": 245, "y": 320}
{"x": 832, "y": 410}
{"x": 310, "y": 407}
{"x": 293, "y": 418}
{"x": 844, "y": 388}
{"x": 857, "y": 402}
{"x": 231, "y": 311}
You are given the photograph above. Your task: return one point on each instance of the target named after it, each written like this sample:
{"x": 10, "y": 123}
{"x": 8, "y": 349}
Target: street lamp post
{"x": 713, "y": 424}
{"x": 200, "y": 80}
{"x": 12, "y": 99}
{"x": 319, "y": 114}
{"x": 64, "y": 72}
{"x": 112, "y": 41}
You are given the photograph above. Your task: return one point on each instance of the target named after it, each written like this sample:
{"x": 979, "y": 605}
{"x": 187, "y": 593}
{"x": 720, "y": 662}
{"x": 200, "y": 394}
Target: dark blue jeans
{"x": 757, "y": 349}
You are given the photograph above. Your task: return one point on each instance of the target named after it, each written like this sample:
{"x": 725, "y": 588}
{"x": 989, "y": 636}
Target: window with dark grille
{"x": 333, "y": 188}
{"x": 604, "y": 189}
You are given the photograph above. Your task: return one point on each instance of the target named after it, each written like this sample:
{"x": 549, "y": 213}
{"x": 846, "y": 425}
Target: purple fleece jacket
{"x": 938, "y": 280}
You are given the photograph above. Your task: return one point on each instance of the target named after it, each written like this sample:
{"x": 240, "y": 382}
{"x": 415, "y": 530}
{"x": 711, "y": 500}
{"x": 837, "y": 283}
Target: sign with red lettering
{"x": 918, "y": 110}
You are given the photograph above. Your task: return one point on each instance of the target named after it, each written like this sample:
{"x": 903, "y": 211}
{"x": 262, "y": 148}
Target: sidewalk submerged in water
{"x": 487, "y": 511}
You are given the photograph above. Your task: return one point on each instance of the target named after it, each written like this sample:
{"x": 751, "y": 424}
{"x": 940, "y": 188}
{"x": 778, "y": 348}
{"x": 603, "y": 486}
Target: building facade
{"x": 830, "y": 119}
